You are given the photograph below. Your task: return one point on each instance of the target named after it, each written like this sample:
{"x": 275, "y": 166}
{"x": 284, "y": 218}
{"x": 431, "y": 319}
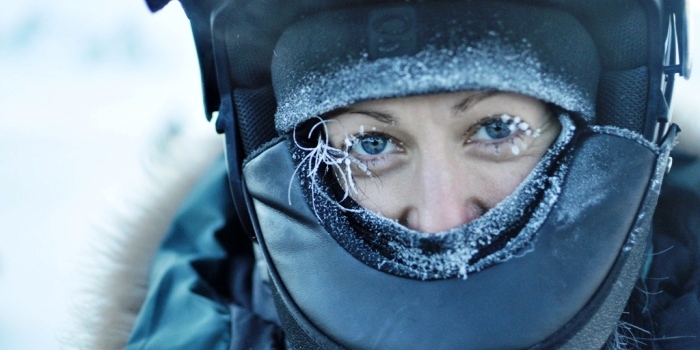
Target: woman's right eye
{"x": 372, "y": 145}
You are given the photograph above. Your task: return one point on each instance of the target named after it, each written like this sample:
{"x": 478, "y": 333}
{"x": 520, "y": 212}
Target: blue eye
{"x": 494, "y": 130}
{"x": 372, "y": 145}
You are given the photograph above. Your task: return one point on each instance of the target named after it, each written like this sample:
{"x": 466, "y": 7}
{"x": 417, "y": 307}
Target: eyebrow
{"x": 471, "y": 100}
{"x": 379, "y": 116}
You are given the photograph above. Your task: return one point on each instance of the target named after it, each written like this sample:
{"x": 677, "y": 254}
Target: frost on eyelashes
{"x": 515, "y": 124}
{"x": 324, "y": 156}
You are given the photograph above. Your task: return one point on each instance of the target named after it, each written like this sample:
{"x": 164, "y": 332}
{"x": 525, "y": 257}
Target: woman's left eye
{"x": 372, "y": 145}
{"x": 493, "y": 129}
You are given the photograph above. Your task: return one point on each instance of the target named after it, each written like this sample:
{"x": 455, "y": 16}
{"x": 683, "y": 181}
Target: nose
{"x": 444, "y": 195}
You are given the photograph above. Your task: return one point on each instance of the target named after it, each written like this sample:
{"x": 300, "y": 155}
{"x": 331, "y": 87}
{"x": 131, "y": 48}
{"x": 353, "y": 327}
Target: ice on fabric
{"x": 627, "y": 134}
{"x": 495, "y": 64}
{"x": 660, "y": 169}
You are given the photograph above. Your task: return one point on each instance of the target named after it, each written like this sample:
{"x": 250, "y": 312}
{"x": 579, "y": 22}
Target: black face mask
{"x": 565, "y": 283}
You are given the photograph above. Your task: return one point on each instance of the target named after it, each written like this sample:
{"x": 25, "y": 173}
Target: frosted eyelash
{"x": 514, "y": 124}
{"x": 324, "y": 154}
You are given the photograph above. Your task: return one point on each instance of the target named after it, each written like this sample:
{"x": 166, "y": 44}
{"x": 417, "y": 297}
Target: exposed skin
{"x": 439, "y": 161}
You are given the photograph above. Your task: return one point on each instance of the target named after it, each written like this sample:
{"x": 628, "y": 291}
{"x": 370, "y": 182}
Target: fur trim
{"x": 126, "y": 240}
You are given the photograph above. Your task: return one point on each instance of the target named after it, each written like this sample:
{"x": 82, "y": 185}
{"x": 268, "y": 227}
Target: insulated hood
{"x": 375, "y": 52}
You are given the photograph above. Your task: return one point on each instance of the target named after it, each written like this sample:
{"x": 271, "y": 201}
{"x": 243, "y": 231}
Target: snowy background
{"x": 85, "y": 88}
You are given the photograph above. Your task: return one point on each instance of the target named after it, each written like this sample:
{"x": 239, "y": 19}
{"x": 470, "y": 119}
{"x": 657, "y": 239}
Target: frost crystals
{"x": 515, "y": 124}
{"x": 324, "y": 154}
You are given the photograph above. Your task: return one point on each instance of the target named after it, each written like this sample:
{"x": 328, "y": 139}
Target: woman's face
{"x": 436, "y": 162}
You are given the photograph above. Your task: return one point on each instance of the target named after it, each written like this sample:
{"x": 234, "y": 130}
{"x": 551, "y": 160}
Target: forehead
{"x": 455, "y": 101}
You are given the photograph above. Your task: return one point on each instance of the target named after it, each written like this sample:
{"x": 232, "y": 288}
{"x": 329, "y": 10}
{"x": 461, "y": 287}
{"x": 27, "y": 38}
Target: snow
{"x": 84, "y": 86}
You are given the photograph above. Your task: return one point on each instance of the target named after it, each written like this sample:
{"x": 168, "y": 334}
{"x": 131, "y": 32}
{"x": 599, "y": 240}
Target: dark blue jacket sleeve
{"x": 185, "y": 306}
{"x": 203, "y": 289}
